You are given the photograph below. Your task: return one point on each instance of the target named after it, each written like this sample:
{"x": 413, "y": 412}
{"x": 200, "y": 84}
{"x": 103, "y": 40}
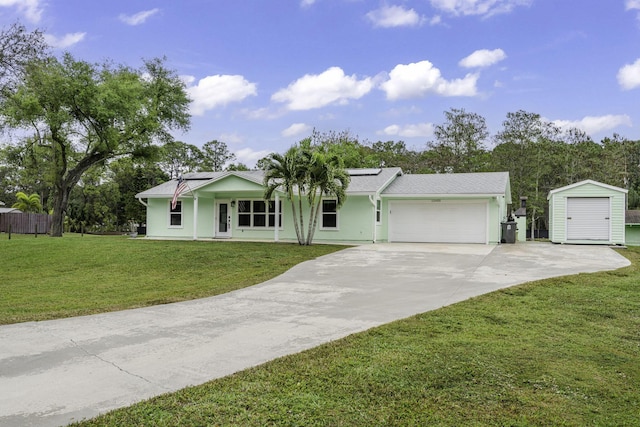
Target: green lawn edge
{"x": 50, "y": 278}
{"x": 562, "y": 351}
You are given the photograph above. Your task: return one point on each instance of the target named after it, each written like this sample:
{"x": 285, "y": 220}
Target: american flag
{"x": 182, "y": 184}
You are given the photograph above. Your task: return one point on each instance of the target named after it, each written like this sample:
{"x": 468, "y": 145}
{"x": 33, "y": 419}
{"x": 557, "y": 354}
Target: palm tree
{"x": 27, "y": 203}
{"x": 288, "y": 171}
{"x": 305, "y": 170}
{"x": 326, "y": 177}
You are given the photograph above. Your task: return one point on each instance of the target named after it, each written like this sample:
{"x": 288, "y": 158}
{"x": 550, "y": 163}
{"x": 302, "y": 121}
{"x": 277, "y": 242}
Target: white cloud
{"x": 231, "y": 138}
{"x": 632, "y": 4}
{"x": 318, "y": 90}
{"x": 249, "y": 156}
{"x": 394, "y": 16}
{"x": 138, "y": 18}
{"x": 483, "y": 58}
{"x": 424, "y": 130}
{"x": 65, "y": 41}
{"x": 217, "y": 90}
{"x": 264, "y": 113}
{"x": 629, "y": 76}
{"x": 595, "y": 124}
{"x": 307, "y": 3}
{"x": 31, "y": 9}
{"x": 421, "y": 78}
{"x": 483, "y": 8}
{"x": 296, "y": 129}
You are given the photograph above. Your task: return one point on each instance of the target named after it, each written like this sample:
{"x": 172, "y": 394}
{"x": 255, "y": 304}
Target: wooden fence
{"x": 25, "y": 223}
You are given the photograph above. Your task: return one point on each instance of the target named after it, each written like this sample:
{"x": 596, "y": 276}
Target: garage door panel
{"x": 588, "y": 218}
{"x": 423, "y": 221}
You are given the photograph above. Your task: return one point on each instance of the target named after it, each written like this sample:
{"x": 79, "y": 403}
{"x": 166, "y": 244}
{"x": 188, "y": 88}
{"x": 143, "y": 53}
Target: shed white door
{"x": 588, "y": 218}
{"x": 433, "y": 222}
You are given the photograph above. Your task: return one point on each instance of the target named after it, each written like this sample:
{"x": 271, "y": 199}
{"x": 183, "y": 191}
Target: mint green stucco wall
{"x": 558, "y": 213}
{"x": 158, "y": 219}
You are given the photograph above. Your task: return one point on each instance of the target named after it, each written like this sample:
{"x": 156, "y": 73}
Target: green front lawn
{"x": 562, "y": 351}
{"x": 47, "y": 278}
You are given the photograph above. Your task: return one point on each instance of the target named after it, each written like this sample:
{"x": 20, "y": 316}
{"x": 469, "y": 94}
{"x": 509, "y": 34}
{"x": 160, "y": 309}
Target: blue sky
{"x": 262, "y": 74}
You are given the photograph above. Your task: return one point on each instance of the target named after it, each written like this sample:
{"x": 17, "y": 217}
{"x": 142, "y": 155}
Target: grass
{"x": 48, "y": 278}
{"x": 561, "y": 352}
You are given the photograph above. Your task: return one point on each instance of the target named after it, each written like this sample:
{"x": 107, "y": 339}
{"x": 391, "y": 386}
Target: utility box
{"x": 509, "y": 232}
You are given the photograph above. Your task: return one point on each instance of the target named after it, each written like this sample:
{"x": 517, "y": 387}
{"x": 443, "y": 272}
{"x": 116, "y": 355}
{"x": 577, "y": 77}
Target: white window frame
{"x": 179, "y": 211}
{"x": 336, "y": 213}
{"x": 252, "y": 214}
{"x": 378, "y": 211}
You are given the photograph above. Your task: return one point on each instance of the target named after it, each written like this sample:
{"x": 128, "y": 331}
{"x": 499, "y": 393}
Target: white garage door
{"x": 433, "y": 222}
{"x": 588, "y": 218}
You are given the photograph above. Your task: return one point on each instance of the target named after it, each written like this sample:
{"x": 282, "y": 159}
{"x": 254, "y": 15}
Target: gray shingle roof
{"x": 196, "y": 180}
{"x": 450, "y": 184}
{"x": 632, "y": 217}
{"x": 365, "y": 181}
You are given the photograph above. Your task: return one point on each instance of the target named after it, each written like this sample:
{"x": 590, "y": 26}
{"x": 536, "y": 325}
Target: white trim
{"x": 441, "y": 195}
{"x": 374, "y": 201}
{"x": 277, "y": 213}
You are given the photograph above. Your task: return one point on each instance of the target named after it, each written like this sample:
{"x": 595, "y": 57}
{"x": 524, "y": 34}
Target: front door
{"x": 223, "y": 219}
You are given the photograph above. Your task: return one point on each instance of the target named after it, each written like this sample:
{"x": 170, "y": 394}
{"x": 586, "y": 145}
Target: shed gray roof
{"x": 450, "y": 184}
{"x": 9, "y": 210}
{"x": 632, "y": 217}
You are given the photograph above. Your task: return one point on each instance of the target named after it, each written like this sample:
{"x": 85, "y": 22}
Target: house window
{"x": 244, "y": 213}
{"x": 272, "y": 213}
{"x": 259, "y": 213}
{"x": 175, "y": 215}
{"x": 378, "y": 210}
{"x": 329, "y": 214}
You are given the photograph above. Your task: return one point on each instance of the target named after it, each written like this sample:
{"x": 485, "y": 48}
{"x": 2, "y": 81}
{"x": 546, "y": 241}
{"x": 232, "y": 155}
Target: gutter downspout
{"x": 143, "y": 203}
{"x": 276, "y": 224}
{"x": 375, "y": 224}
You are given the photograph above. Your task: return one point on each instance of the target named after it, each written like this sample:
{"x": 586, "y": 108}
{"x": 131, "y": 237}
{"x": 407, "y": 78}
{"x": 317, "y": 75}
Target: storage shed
{"x": 632, "y": 235}
{"x": 587, "y": 212}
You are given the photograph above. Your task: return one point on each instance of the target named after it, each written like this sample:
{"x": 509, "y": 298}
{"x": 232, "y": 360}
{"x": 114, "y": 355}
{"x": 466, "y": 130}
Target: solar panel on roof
{"x": 364, "y": 172}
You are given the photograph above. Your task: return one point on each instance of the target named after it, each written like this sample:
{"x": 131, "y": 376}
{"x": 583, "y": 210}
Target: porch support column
{"x": 277, "y": 221}
{"x": 373, "y": 200}
{"x": 195, "y": 217}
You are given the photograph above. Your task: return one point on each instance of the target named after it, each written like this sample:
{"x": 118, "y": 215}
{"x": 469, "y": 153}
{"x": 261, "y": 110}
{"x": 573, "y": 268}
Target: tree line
{"x": 91, "y": 136}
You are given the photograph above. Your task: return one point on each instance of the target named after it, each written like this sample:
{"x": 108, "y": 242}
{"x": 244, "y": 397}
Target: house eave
{"x": 586, "y": 182}
{"x": 442, "y": 195}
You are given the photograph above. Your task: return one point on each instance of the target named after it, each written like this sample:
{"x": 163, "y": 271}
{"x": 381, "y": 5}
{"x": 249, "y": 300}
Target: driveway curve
{"x": 59, "y": 371}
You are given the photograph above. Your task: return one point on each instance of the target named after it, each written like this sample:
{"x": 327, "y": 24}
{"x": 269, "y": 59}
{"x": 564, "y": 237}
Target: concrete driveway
{"x": 56, "y": 372}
